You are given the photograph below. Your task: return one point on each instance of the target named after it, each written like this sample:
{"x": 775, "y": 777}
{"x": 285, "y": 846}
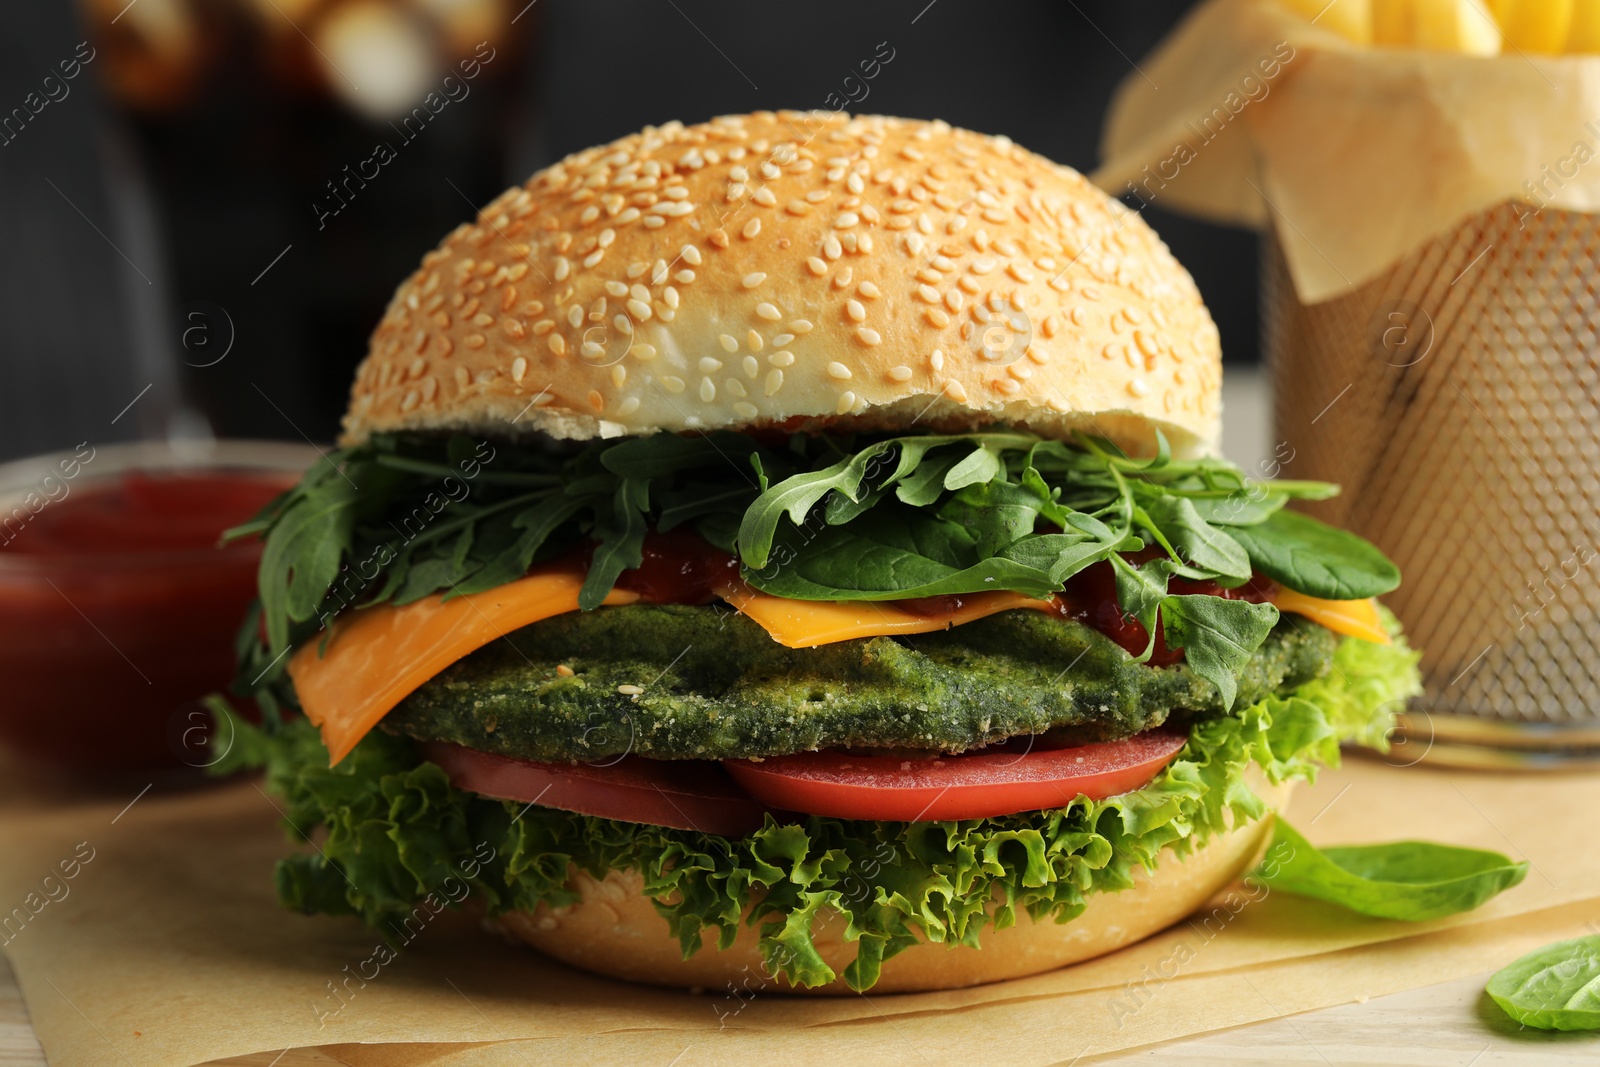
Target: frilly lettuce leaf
{"x": 393, "y": 833}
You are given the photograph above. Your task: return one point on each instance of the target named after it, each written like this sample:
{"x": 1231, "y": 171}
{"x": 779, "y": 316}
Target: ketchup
{"x": 118, "y": 609}
{"x": 680, "y": 567}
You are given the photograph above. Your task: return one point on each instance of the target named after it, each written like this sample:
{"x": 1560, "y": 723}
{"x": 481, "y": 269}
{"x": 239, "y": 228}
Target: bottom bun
{"x": 615, "y": 930}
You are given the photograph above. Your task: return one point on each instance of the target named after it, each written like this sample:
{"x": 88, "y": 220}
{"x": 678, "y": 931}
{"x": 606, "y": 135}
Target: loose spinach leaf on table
{"x": 1408, "y": 880}
{"x": 1556, "y": 987}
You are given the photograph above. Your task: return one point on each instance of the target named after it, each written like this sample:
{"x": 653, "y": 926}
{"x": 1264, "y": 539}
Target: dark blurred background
{"x": 205, "y": 204}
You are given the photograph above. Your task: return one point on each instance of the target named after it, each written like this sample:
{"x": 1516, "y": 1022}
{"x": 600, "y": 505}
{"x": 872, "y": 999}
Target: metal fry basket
{"x": 1456, "y": 398}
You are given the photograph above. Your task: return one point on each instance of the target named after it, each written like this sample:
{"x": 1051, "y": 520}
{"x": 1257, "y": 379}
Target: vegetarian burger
{"x": 792, "y": 545}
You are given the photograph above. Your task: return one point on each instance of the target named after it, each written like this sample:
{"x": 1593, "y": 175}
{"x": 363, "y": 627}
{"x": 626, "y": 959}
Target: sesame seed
{"x": 607, "y": 235}
{"x": 753, "y": 279}
{"x": 654, "y": 222}
{"x": 982, "y": 265}
{"x": 592, "y": 350}
{"x": 846, "y": 220}
{"x": 708, "y": 390}
{"x": 842, "y": 279}
{"x": 928, "y": 293}
{"x": 475, "y": 340}
{"x": 1138, "y": 387}
{"x": 764, "y": 197}
{"x": 410, "y": 401}
{"x": 840, "y": 371}
{"x": 938, "y": 318}
{"x": 619, "y": 375}
{"x": 690, "y": 255}
{"x": 594, "y": 258}
{"x": 774, "y": 382}
{"x": 751, "y": 228}
{"x": 868, "y": 290}
{"x": 955, "y": 391}
{"x": 753, "y": 341}
{"x": 596, "y": 401}
{"x": 639, "y": 309}
{"x": 574, "y": 316}
{"x": 617, "y": 288}
{"x": 643, "y": 353}
{"x": 781, "y": 339}
{"x": 728, "y": 342}
{"x": 855, "y": 310}
{"x": 800, "y": 326}
{"x": 900, "y": 374}
{"x": 562, "y": 269}
{"x": 781, "y": 359}
{"x": 831, "y": 247}
{"x": 936, "y": 360}
{"x": 752, "y": 366}
{"x": 639, "y": 292}
{"x": 672, "y": 385}
{"x": 868, "y": 336}
{"x": 708, "y": 365}
{"x": 745, "y": 409}
{"x": 543, "y": 326}
{"x": 797, "y": 207}
{"x": 735, "y": 388}
{"x": 683, "y": 277}
{"x": 558, "y": 344}
{"x": 628, "y": 406}
{"x": 629, "y": 690}
{"x": 769, "y": 312}
{"x": 816, "y": 266}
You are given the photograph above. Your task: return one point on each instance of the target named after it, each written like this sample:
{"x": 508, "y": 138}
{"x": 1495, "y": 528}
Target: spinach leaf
{"x": 621, "y": 533}
{"x": 310, "y": 537}
{"x": 1217, "y": 636}
{"x": 1314, "y": 558}
{"x": 894, "y": 554}
{"x": 1556, "y": 987}
{"x": 1409, "y": 880}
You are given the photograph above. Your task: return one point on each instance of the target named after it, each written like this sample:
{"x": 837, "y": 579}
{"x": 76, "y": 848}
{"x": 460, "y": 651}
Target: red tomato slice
{"x": 975, "y": 786}
{"x": 683, "y": 794}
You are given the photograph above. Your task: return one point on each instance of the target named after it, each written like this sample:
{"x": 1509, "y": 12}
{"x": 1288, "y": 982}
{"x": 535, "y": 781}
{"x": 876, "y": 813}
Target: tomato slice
{"x": 975, "y": 786}
{"x": 683, "y": 794}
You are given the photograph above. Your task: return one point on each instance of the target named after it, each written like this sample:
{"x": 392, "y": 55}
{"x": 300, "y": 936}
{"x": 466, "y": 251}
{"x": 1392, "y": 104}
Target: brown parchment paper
{"x": 169, "y": 949}
{"x": 1247, "y": 113}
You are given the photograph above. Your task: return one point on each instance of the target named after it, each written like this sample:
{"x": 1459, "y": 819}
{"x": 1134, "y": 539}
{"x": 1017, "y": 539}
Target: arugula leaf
{"x": 1556, "y": 987}
{"x": 1199, "y": 543}
{"x": 302, "y": 558}
{"x": 1319, "y": 560}
{"x": 1217, "y": 636}
{"x": 1409, "y": 880}
{"x": 1141, "y": 589}
{"x": 621, "y": 546}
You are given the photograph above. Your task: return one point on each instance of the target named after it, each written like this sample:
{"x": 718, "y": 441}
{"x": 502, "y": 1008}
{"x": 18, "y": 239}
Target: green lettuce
{"x": 392, "y": 833}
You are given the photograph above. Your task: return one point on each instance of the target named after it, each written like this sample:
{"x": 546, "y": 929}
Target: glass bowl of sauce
{"x": 118, "y": 606}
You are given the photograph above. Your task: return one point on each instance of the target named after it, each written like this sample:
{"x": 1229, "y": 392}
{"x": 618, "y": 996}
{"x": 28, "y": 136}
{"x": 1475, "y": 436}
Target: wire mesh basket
{"x": 1456, "y": 397}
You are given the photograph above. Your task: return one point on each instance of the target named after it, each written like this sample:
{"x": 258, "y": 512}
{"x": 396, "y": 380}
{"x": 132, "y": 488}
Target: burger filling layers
{"x": 979, "y": 667}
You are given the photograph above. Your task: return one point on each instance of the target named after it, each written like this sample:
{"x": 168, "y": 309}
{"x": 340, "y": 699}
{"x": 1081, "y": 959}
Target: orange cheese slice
{"x": 807, "y": 623}
{"x": 1353, "y": 618}
{"x": 378, "y": 656}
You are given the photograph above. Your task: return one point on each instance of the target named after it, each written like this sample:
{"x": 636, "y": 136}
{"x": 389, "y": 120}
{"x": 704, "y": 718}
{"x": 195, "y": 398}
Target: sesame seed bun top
{"x": 804, "y": 270}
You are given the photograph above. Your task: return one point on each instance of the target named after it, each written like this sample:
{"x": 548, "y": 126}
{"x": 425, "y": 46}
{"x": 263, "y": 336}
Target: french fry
{"x": 1584, "y": 34}
{"x": 1535, "y": 25}
{"x": 1350, "y": 19}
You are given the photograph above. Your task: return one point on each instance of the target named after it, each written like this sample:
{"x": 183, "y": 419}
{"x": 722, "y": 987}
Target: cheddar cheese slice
{"x": 807, "y": 623}
{"x": 378, "y": 656}
{"x": 1353, "y": 618}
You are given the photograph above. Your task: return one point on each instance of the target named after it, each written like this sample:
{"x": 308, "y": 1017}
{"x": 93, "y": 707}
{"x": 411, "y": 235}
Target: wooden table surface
{"x": 1447, "y": 1025}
